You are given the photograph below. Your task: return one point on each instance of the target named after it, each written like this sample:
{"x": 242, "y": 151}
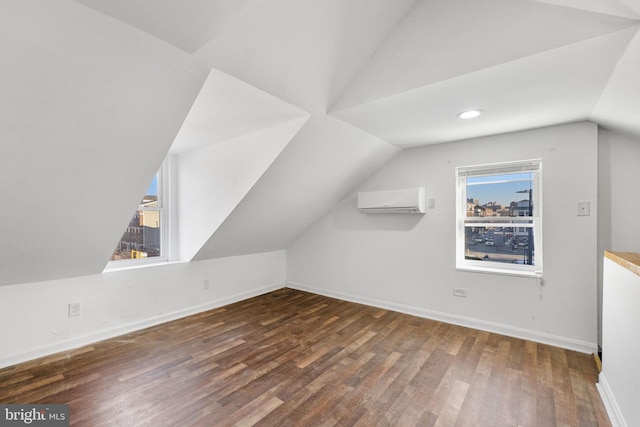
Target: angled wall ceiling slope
{"x": 230, "y": 137}
{"x": 561, "y": 85}
{"x": 526, "y": 64}
{"x": 214, "y": 179}
{"x": 625, "y": 8}
{"x": 337, "y": 56}
{"x": 325, "y": 161}
{"x": 227, "y": 108}
{"x": 187, "y": 25}
{"x": 89, "y": 109}
{"x": 438, "y": 42}
{"x": 95, "y": 92}
{"x": 619, "y": 104}
{"x": 304, "y": 52}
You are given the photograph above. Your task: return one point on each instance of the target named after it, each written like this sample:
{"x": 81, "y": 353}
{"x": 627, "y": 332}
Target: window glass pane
{"x": 500, "y": 244}
{"x": 141, "y": 239}
{"x": 499, "y": 217}
{"x": 150, "y": 199}
{"x": 500, "y": 195}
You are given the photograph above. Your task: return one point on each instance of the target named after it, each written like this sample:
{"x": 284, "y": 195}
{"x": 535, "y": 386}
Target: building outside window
{"x": 143, "y": 239}
{"x": 499, "y": 218}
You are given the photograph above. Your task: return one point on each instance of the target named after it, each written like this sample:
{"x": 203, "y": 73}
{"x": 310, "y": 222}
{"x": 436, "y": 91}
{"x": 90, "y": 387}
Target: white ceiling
{"x": 89, "y": 109}
{"x": 187, "y": 25}
{"x": 227, "y": 108}
{"x": 629, "y": 8}
{"x": 402, "y": 69}
{"x": 395, "y": 73}
{"x": 556, "y": 86}
{"x": 96, "y": 91}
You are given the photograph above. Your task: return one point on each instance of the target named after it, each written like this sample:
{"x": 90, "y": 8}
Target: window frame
{"x": 534, "y": 221}
{"x": 163, "y": 175}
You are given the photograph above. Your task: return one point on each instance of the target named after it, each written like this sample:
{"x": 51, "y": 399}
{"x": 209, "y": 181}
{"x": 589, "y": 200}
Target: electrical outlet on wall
{"x": 205, "y": 284}
{"x": 584, "y": 208}
{"x": 459, "y": 292}
{"x": 74, "y": 309}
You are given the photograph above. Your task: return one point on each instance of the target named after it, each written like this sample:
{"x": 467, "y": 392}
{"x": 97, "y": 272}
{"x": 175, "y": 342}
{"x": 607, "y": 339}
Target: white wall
{"x": 212, "y": 180}
{"x": 88, "y": 111}
{"x": 618, "y": 230}
{"x": 321, "y": 165}
{"x": 619, "y": 382}
{"x": 407, "y": 262}
{"x": 34, "y": 316}
{"x": 618, "y": 177}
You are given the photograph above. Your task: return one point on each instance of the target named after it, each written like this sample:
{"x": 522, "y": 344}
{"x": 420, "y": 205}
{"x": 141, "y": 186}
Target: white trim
{"x": 534, "y": 223}
{"x": 512, "y": 331}
{"x": 531, "y": 274}
{"x": 499, "y": 221}
{"x": 514, "y": 167}
{"x": 140, "y": 265}
{"x": 610, "y": 403}
{"x": 77, "y": 342}
{"x": 130, "y": 264}
{"x": 504, "y": 181}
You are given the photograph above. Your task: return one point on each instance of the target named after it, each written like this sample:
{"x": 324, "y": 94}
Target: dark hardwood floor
{"x": 290, "y": 358}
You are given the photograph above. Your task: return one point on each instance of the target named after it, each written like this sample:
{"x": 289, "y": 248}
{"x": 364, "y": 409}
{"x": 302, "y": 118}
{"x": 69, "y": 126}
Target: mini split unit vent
{"x": 392, "y": 201}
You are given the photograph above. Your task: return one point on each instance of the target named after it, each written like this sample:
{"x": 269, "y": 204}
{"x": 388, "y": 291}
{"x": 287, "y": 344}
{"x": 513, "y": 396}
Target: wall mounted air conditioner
{"x": 392, "y": 201}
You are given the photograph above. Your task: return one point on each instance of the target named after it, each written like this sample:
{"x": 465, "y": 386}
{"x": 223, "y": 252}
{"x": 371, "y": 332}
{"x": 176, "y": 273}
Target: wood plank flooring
{"x": 290, "y": 358}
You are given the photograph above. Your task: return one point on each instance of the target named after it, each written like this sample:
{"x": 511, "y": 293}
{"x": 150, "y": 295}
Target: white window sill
{"x": 114, "y": 266}
{"x": 502, "y": 272}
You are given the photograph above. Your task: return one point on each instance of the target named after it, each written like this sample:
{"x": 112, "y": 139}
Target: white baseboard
{"x": 76, "y": 342}
{"x": 610, "y": 403}
{"x": 554, "y": 340}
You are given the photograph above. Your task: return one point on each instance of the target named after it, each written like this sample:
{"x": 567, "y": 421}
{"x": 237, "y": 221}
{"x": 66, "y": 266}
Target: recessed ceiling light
{"x": 471, "y": 114}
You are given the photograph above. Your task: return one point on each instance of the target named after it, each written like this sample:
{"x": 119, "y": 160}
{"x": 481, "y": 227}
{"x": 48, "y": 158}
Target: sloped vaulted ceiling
{"x": 401, "y": 72}
{"x": 527, "y": 64}
{"x": 95, "y": 92}
{"x": 88, "y": 110}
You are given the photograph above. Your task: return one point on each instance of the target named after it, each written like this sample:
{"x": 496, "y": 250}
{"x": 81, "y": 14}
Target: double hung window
{"x": 499, "y": 218}
{"x": 143, "y": 241}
